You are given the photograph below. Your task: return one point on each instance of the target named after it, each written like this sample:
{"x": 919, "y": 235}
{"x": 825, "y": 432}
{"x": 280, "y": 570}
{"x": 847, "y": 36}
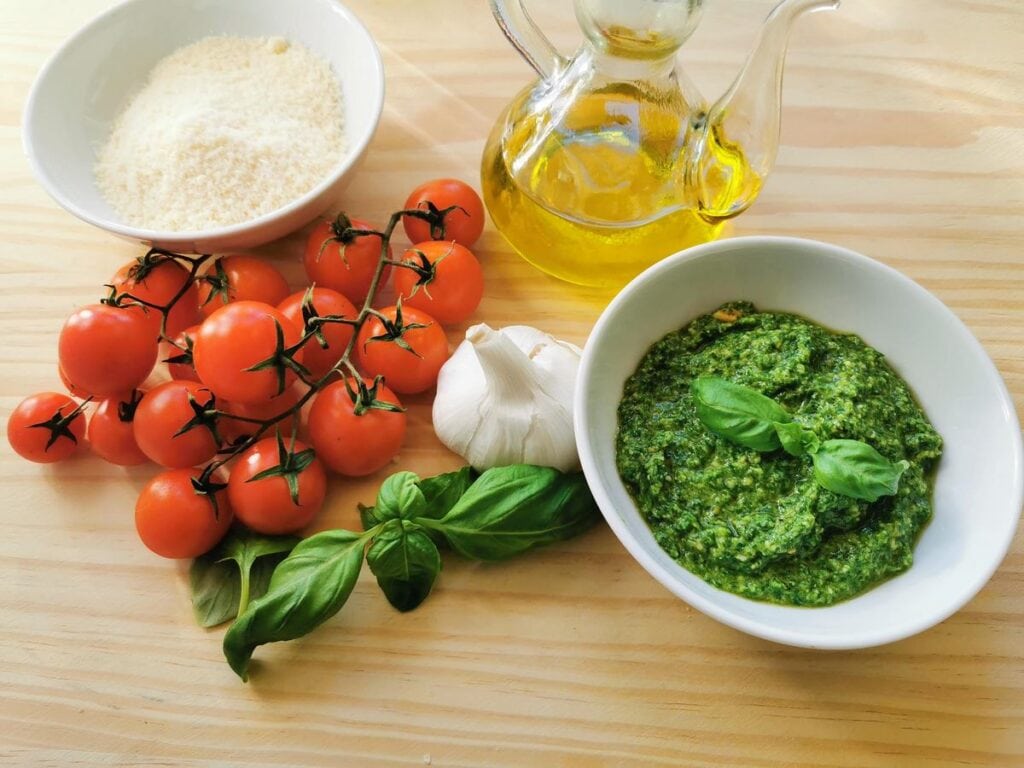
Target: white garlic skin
{"x": 505, "y": 397}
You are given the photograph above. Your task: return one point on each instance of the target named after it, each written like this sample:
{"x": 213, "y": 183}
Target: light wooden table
{"x": 903, "y": 138}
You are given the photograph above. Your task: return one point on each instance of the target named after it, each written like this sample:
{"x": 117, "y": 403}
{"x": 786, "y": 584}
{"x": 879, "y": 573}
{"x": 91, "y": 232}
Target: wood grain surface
{"x": 903, "y": 138}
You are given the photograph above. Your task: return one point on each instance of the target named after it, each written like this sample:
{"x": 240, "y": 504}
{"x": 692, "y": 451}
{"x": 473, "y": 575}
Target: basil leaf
{"x": 216, "y": 587}
{"x": 244, "y": 546}
{"x": 368, "y": 516}
{"x": 855, "y": 469}
{"x": 739, "y": 414}
{"x": 797, "y": 440}
{"x": 442, "y": 491}
{"x": 235, "y": 571}
{"x": 307, "y": 588}
{"x": 398, "y": 499}
{"x": 406, "y": 563}
{"x": 509, "y": 510}
{"x": 400, "y": 496}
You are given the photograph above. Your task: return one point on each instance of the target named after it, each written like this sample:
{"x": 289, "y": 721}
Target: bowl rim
{"x": 869, "y": 636}
{"x": 352, "y": 156}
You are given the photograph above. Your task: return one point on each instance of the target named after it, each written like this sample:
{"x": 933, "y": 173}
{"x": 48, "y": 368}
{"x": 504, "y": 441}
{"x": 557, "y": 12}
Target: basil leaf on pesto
{"x": 797, "y": 440}
{"x": 746, "y": 417}
{"x": 855, "y": 469}
{"x": 738, "y": 414}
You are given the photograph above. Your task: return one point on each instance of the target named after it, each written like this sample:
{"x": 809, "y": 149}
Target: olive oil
{"x": 612, "y": 160}
{"x": 610, "y": 189}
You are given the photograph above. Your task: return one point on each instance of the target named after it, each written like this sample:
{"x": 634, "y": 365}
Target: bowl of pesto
{"x": 799, "y": 441}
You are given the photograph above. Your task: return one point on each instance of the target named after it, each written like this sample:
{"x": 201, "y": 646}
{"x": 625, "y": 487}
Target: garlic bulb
{"x": 505, "y": 397}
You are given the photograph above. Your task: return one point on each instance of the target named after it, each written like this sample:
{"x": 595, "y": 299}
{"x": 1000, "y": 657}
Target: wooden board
{"x": 903, "y": 138}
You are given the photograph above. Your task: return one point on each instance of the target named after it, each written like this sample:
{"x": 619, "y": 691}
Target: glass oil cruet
{"x": 612, "y": 160}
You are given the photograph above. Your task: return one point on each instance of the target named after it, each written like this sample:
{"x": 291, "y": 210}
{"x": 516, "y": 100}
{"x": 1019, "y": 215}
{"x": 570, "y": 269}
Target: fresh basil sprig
{"x": 503, "y": 512}
{"x": 224, "y": 580}
{"x": 753, "y": 420}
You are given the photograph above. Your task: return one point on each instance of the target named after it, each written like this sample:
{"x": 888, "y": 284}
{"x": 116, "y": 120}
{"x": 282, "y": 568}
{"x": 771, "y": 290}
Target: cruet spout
{"x": 740, "y": 132}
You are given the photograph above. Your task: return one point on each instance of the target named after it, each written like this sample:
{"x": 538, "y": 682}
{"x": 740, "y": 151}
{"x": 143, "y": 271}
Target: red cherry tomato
{"x": 45, "y": 428}
{"x": 107, "y": 350}
{"x": 317, "y": 359}
{"x": 233, "y": 430}
{"x": 463, "y": 226}
{"x": 163, "y": 413}
{"x": 78, "y": 392}
{"x": 406, "y": 371}
{"x": 175, "y": 521}
{"x": 236, "y": 338}
{"x": 344, "y": 267}
{"x": 267, "y": 505}
{"x": 350, "y": 443}
{"x": 241, "y": 278}
{"x": 184, "y": 370}
{"x": 447, "y": 282}
{"x": 158, "y": 281}
{"x": 112, "y": 431}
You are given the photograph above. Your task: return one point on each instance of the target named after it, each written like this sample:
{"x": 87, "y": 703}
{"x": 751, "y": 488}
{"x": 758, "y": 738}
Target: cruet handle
{"x": 525, "y": 35}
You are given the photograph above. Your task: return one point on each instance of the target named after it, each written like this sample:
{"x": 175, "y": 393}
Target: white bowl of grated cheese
{"x": 205, "y": 125}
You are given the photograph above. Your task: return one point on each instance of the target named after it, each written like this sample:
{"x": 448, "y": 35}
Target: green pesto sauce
{"x": 757, "y": 524}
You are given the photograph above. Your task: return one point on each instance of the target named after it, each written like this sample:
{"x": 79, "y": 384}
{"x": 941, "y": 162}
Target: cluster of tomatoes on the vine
{"x": 245, "y": 356}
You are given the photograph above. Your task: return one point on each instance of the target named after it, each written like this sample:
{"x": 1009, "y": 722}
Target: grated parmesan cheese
{"x": 224, "y": 130}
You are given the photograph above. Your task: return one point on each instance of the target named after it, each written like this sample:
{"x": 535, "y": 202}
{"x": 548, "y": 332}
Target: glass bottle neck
{"x": 615, "y": 66}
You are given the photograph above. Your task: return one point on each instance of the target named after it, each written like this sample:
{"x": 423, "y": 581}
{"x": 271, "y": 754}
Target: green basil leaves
{"x": 223, "y": 580}
{"x": 501, "y": 513}
{"x": 509, "y": 510}
{"x": 307, "y": 588}
{"x": 750, "y": 419}
{"x": 442, "y": 491}
{"x": 405, "y": 561}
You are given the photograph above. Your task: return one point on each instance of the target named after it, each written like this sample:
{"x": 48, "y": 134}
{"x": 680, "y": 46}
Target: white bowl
{"x": 90, "y": 78}
{"x": 978, "y": 486}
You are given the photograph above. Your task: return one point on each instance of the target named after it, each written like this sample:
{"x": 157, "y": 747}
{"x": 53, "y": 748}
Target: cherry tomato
{"x": 112, "y": 431}
{"x": 317, "y": 359}
{"x": 447, "y": 282}
{"x": 350, "y": 443}
{"x": 175, "y": 521}
{"x": 267, "y": 505}
{"x": 344, "y": 267}
{"x": 107, "y": 350}
{"x": 237, "y": 337}
{"x": 463, "y": 226}
{"x": 78, "y": 392}
{"x": 233, "y": 430}
{"x": 158, "y": 281}
{"x": 405, "y": 371}
{"x": 185, "y": 370}
{"x": 45, "y": 428}
{"x": 241, "y": 278}
{"x": 163, "y": 412}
